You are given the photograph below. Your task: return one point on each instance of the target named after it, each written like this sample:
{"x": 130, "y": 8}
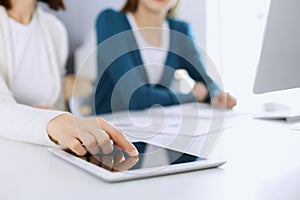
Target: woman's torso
{"x": 33, "y": 81}
{"x": 33, "y": 58}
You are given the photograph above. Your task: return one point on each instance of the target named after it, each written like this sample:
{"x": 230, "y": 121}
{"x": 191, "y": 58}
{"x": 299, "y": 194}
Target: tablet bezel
{"x": 137, "y": 173}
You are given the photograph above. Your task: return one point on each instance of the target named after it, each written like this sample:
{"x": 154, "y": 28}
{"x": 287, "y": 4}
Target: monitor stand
{"x": 296, "y": 127}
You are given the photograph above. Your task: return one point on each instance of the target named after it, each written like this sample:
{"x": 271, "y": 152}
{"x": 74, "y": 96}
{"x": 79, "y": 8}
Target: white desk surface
{"x": 263, "y": 163}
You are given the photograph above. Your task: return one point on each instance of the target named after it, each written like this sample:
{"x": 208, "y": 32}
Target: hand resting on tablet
{"x": 88, "y": 134}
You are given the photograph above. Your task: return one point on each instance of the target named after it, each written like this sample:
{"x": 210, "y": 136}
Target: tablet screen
{"x": 150, "y": 156}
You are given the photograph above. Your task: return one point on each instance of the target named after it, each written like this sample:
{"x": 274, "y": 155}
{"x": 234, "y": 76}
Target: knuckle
{"x": 74, "y": 144}
{"x": 108, "y": 149}
{"x": 105, "y": 138}
{"x": 120, "y": 135}
{"x": 90, "y": 143}
{"x": 77, "y": 148}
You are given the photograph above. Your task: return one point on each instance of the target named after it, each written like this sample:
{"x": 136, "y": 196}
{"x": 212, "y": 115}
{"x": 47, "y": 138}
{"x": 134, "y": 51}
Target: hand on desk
{"x": 200, "y": 91}
{"x": 88, "y": 134}
{"x": 221, "y": 100}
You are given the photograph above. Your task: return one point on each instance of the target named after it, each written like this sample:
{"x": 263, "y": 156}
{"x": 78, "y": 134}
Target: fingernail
{"x": 134, "y": 153}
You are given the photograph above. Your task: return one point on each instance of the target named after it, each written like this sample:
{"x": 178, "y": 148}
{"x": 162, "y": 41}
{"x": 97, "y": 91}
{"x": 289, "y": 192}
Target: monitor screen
{"x": 279, "y": 63}
{"x": 150, "y": 156}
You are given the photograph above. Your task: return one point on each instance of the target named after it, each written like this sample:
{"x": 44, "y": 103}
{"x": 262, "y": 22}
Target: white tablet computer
{"x": 152, "y": 161}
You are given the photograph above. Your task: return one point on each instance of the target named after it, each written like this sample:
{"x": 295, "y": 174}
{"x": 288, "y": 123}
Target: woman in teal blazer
{"x": 123, "y": 82}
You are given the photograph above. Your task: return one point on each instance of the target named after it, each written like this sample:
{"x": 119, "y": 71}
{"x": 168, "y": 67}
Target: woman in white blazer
{"x": 33, "y": 53}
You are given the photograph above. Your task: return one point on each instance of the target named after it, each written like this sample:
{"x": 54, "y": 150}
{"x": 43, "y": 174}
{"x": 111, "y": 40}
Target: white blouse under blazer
{"x": 22, "y": 122}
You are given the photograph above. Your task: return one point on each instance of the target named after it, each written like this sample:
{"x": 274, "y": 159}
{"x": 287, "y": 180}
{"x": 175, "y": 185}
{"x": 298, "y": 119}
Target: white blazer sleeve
{"x": 23, "y": 123}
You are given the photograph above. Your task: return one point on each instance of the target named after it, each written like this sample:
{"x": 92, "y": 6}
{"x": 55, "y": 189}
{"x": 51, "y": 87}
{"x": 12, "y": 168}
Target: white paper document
{"x": 194, "y": 110}
{"x": 173, "y": 120}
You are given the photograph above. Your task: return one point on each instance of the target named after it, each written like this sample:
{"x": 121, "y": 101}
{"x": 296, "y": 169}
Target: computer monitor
{"x": 279, "y": 63}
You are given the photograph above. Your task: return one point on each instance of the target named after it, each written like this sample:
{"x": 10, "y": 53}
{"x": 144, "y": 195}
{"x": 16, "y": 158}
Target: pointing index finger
{"x": 118, "y": 138}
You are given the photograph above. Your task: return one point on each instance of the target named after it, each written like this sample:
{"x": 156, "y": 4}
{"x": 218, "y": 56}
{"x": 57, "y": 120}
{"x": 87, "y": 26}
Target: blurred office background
{"x": 241, "y": 25}
{"x": 80, "y": 16}
{"x": 230, "y": 30}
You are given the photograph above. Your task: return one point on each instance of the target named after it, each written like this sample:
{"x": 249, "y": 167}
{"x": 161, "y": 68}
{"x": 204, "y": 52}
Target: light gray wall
{"x": 194, "y": 12}
{"x": 79, "y": 17}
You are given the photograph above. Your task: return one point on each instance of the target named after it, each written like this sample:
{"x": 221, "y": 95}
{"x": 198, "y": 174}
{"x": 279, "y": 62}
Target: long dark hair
{"x": 53, "y": 4}
{"x": 132, "y": 5}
